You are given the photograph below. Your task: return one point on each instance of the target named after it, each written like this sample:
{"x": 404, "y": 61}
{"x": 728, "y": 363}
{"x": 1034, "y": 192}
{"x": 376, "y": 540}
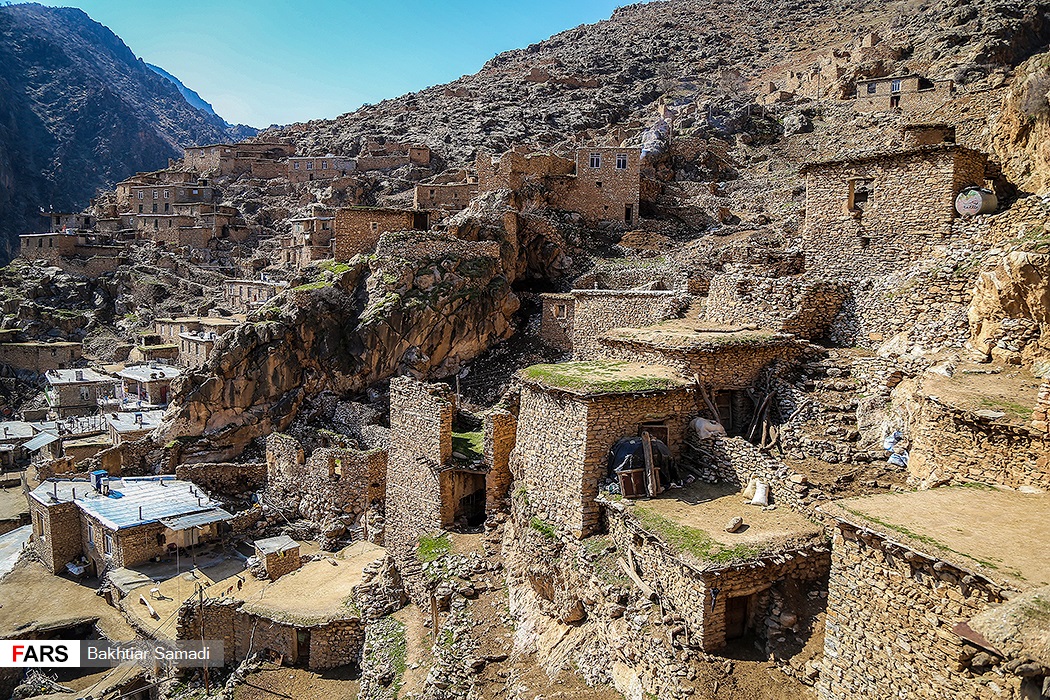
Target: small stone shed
{"x": 909, "y": 572}
{"x": 572, "y": 414}
{"x": 723, "y": 585}
{"x": 279, "y": 555}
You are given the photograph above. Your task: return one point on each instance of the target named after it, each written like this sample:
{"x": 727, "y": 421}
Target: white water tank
{"x": 976, "y": 200}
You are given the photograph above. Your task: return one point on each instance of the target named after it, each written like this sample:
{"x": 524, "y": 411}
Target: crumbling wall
{"x": 226, "y": 479}
{"x": 801, "y": 305}
{"x": 888, "y": 631}
{"x": 556, "y": 320}
{"x": 420, "y": 444}
{"x": 501, "y": 428}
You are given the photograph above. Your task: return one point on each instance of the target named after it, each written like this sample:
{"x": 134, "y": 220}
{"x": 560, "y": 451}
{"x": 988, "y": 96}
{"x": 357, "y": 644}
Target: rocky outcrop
{"x": 1011, "y": 308}
{"x": 423, "y": 305}
{"x": 1021, "y": 135}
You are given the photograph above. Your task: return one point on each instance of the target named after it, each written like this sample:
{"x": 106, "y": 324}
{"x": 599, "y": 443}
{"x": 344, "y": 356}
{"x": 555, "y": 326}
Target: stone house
{"x": 576, "y": 325}
{"x": 62, "y": 221}
{"x": 357, "y": 229}
{"x": 312, "y": 237}
{"x": 194, "y": 348}
{"x": 909, "y": 573}
{"x": 37, "y": 357}
{"x": 307, "y": 168}
{"x": 47, "y": 246}
{"x": 161, "y": 198}
{"x": 76, "y": 392}
{"x": 871, "y": 215}
{"x": 129, "y": 426}
{"x": 228, "y": 159}
{"x": 244, "y": 295}
{"x": 279, "y": 555}
{"x": 382, "y": 155}
{"x": 147, "y": 385}
{"x": 118, "y": 522}
{"x": 452, "y": 196}
{"x": 570, "y": 416}
{"x": 169, "y": 329}
{"x": 602, "y": 183}
{"x": 910, "y": 93}
{"x": 435, "y": 480}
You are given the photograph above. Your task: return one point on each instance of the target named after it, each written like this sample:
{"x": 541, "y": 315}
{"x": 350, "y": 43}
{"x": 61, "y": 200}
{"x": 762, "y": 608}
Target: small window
{"x": 895, "y": 101}
{"x": 621, "y": 161}
{"x": 140, "y": 194}
{"x": 895, "y": 86}
{"x": 596, "y": 160}
{"x": 295, "y": 165}
{"x": 375, "y": 227}
{"x": 324, "y": 165}
{"x": 865, "y": 241}
{"x": 561, "y": 311}
{"x": 324, "y": 225}
{"x": 861, "y": 192}
{"x": 872, "y": 88}
{"x": 156, "y": 194}
{"x": 107, "y": 546}
{"x": 309, "y": 165}
{"x": 140, "y": 209}
{"x": 167, "y": 194}
{"x": 196, "y": 191}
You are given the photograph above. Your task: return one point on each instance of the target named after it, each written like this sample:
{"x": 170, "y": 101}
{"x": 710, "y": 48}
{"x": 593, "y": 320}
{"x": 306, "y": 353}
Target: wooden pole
{"x": 652, "y": 474}
{"x": 200, "y": 603}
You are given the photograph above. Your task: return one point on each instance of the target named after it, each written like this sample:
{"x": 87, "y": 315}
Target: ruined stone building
{"x": 245, "y": 295}
{"x": 452, "y": 196}
{"x": 255, "y": 157}
{"x": 39, "y": 357}
{"x": 308, "y": 168}
{"x": 602, "y": 183}
{"x": 312, "y": 237}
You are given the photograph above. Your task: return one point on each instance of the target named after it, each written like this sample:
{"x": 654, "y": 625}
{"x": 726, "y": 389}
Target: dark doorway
{"x": 472, "y": 507}
{"x": 628, "y": 213}
{"x": 302, "y": 648}
{"x": 736, "y": 617}
{"x": 657, "y": 431}
{"x": 895, "y": 102}
{"x": 419, "y": 221}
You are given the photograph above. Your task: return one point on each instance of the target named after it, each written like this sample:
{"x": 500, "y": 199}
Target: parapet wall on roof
{"x": 804, "y": 306}
{"x": 600, "y": 310}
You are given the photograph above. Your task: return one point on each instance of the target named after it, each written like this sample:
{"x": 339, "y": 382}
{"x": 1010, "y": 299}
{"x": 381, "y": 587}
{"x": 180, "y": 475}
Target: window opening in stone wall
{"x": 375, "y": 227}
{"x": 561, "y": 311}
{"x": 865, "y": 241}
{"x": 596, "y": 160}
{"x": 107, "y": 544}
{"x": 895, "y": 102}
{"x": 872, "y": 88}
{"x": 628, "y": 213}
{"x": 621, "y": 161}
{"x": 895, "y": 86}
{"x": 925, "y": 84}
{"x": 598, "y": 184}
{"x": 861, "y": 193}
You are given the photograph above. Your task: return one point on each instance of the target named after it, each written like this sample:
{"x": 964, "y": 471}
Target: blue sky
{"x": 260, "y": 62}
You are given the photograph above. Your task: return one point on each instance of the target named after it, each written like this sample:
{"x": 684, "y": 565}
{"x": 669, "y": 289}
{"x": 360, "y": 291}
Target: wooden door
{"x": 736, "y": 617}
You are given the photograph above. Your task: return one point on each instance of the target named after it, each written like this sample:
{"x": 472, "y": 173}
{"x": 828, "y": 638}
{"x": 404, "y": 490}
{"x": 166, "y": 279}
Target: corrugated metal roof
{"x": 272, "y": 545}
{"x": 41, "y": 440}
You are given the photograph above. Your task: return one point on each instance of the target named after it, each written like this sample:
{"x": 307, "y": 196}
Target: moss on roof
{"x": 603, "y": 377}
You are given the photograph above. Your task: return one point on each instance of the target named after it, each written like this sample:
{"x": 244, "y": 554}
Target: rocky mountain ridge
{"x": 79, "y": 112}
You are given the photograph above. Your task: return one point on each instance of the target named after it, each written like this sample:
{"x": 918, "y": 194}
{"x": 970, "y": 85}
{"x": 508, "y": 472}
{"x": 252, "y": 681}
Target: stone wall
{"x": 1041, "y": 411}
{"x": 449, "y": 197}
{"x": 334, "y": 487}
{"x": 888, "y": 631}
{"x": 420, "y": 444}
{"x": 357, "y": 229}
{"x": 277, "y": 564}
{"x": 803, "y": 305}
{"x": 599, "y": 310}
{"x": 909, "y": 99}
{"x": 950, "y": 444}
{"x": 56, "y": 533}
{"x": 225, "y": 479}
{"x": 728, "y": 366}
{"x": 501, "y": 429}
{"x": 39, "y": 357}
{"x": 563, "y": 441}
{"x": 909, "y": 211}
{"x": 556, "y": 320}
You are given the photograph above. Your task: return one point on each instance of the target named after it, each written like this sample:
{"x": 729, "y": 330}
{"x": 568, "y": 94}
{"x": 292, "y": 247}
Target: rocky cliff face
{"x": 595, "y": 76}
{"x": 78, "y": 112}
{"x": 419, "y": 306}
{"x": 1021, "y": 135}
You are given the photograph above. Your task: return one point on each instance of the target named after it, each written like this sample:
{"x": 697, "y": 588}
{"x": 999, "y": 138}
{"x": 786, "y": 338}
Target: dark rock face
{"x": 425, "y": 315}
{"x": 79, "y": 112}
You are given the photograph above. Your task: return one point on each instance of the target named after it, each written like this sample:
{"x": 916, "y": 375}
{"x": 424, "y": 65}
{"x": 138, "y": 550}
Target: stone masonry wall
{"x": 420, "y": 444}
{"x": 888, "y": 631}
{"x": 358, "y": 230}
{"x": 801, "y": 305}
{"x": 224, "y": 479}
{"x": 555, "y": 329}
{"x": 910, "y": 210}
{"x": 501, "y": 427}
{"x": 600, "y": 310}
{"x": 56, "y": 533}
{"x": 949, "y": 444}
{"x": 39, "y": 357}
